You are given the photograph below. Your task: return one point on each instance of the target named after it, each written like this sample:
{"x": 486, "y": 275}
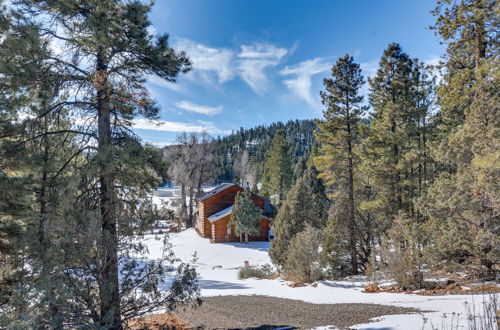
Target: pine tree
{"x": 245, "y": 215}
{"x": 106, "y": 51}
{"x": 339, "y": 138}
{"x": 306, "y": 203}
{"x": 462, "y": 204}
{"x": 396, "y": 151}
{"x": 277, "y": 176}
{"x": 469, "y": 29}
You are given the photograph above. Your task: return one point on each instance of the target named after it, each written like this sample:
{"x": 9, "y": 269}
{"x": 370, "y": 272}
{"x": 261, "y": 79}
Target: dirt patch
{"x": 449, "y": 289}
{"x": 462, "y": 289}
{"x": 263, "y": 312}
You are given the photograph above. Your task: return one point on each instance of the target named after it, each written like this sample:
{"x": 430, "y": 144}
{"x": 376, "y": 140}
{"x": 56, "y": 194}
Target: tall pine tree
{"x": 339, "y": 137}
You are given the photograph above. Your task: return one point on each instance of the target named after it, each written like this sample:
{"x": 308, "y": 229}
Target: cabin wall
{"x": 220, "y": 233}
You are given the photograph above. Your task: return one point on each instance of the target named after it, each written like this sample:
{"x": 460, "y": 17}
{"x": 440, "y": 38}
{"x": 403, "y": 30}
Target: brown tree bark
{"x": 352, "y": 223}
{"x": 110, "y": 316}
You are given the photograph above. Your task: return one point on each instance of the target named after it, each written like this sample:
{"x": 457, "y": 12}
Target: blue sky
{"x": 260, "y": 61}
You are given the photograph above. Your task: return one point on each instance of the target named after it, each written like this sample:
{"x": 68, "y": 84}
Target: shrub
{"x": 403, "y": 252}
{"x": 303, "y": 259}
{"x": 262, "y": 272}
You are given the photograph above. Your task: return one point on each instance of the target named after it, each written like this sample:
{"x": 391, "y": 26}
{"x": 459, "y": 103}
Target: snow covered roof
{"x": 221, "y": 214}
{"x": 216, "y": 190}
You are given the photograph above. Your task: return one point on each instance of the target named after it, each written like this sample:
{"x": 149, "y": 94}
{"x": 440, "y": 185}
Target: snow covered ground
{"x": 218, "y": 269}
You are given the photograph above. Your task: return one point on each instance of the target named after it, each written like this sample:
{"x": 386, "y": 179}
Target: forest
{"x": 404, "y": 180}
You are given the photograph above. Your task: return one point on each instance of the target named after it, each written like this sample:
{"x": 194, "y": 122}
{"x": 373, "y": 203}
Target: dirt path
{"x": 263, "y": 312}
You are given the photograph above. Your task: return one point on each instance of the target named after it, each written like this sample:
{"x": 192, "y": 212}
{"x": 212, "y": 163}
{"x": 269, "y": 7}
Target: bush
{"x": 262, "y": 272}
{"x": 403, "y": 252}
{"x": 303, "y": 260}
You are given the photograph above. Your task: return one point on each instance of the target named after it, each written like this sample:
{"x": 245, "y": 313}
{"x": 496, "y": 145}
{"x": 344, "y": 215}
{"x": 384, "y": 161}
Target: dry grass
{"x": 157, "y": 322}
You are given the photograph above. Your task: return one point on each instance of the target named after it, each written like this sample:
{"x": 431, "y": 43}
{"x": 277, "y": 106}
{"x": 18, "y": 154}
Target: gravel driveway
{"x": 263, "y": 312}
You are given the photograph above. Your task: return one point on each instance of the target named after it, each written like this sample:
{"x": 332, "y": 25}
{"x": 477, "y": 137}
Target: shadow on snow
{"x": 219, "y": 285}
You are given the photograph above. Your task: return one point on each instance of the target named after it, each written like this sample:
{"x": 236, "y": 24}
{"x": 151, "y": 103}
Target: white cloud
{"x": 203, "y": 109}
{"x": 254, "y": 59}
{"x": 262, "y": 51}
{"x": 159, "y": 144}
{"x": 209, "y": 62}
{"x": 169, "y": 126}
{"x": 152, "y": 31}
{"x": 155, "y": 80}
{"x": 301, "y": 84}
{"x": 369, "y": 68}
{"x": 433, "y": 60}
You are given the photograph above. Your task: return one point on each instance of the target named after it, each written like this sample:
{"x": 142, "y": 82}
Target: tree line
{"x": 412, "y": 175}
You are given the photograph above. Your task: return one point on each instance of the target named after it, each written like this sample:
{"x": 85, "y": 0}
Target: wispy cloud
{"x": 300, "y": 84}
{"x": 203, "y": 109}
{"x": 169, "y": 126}
{"x": 369, "y": 68}
{"x": 157, "y": 81}
{"x": 209, "y": 63}
{"x": 254, "y": 59}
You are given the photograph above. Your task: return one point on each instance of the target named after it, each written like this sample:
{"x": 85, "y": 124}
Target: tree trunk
{"x": 199, "y": 192}
{"x": 189, "y": 222}
{"x": 352, "y": 224}
{"x": 183, "y": 213}
{"x": 55, "y": 319}
{"x": 108, "y": 251}
{"x": 480, "y": 44}
{"x": 246, "y": 238}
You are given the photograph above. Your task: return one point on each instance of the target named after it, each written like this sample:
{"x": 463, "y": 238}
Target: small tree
{"x": 306, "y": 203}
{"x": 303, "y": 259}
{"x": 403, "y": 251}
{"x": 245, "y": 216}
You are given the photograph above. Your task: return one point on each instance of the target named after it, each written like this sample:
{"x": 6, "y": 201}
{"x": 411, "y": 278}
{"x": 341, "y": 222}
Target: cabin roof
{"x": 220, "y": 188}
{"x": 221, "y": 214}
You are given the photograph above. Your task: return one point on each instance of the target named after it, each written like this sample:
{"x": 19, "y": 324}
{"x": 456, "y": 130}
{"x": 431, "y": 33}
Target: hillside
{"x": 251, "y": 145}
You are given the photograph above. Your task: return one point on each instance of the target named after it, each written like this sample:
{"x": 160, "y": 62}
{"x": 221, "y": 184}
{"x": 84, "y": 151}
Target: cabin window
{"x": 228, "y": 230}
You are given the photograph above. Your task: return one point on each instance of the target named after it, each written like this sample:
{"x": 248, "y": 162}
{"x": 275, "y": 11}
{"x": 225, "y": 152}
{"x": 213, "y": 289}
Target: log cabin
{"x": 214, "y": 213}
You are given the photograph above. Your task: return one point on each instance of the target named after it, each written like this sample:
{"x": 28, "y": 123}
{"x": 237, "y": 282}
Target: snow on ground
{"x": 218, "y": 265}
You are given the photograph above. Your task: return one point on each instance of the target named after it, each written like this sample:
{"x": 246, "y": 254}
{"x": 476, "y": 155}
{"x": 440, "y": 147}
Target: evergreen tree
{"x": 277, "y": 176}
{"x": 462, "y": 204}
{"x": 338, "y": 135}
{"x": 396, "y": 150}
{"x": 306, "y": 203}
{"x": 98, "y": 77}
{"x": 469, "y": 28}
{"x": 303, "y": 261}
{"x": 245, "y": 215}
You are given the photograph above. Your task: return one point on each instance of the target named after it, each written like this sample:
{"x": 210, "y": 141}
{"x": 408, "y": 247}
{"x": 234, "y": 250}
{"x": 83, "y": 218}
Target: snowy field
{"x": 218, "y": 269}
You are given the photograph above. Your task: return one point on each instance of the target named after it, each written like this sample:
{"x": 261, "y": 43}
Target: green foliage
{"x": 306, "y": 203}
{"x": 404, "y": 252}
{"x": 303, "y": 260}
{"x": 245, "y": 215}
{"x": 339, "y": 138}
{"x": 257, "y": 142}
{"x": 462, "y": 203}
{"x": 277, "y": 176}
{"x": 74, "y": 180}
